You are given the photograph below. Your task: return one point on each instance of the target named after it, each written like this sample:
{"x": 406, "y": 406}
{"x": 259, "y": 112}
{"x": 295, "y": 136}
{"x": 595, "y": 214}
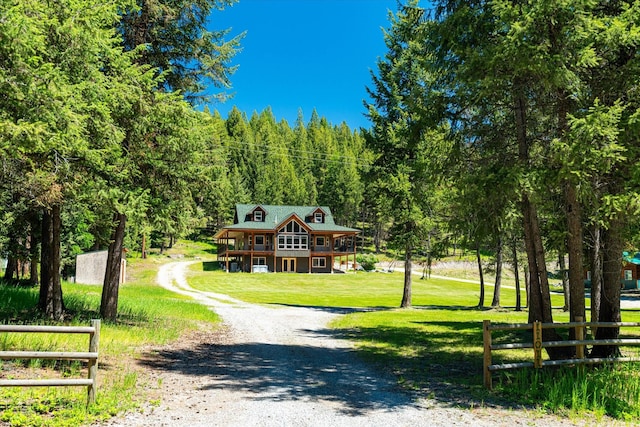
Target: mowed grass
{"x": 345, "y": 290}
{"x": 435, "y": 348}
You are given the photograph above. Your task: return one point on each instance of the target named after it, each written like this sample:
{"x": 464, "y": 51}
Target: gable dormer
{"x": 317, "y": 216}
{"x": 258, "y": 214}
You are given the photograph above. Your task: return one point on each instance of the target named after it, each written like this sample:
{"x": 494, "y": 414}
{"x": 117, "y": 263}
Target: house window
{"x": 260, "y": 240}
{"x": 292, "y": 227}
{"x": 628, "y": 275}
{"x": 320, "y": 241}
{"x": 293, "y": 242}
{"x": 319, "y": 262}
{"x": 293, "y": 237}
{"x": 259, "y": 260}
{"x": 318, "y": 217}
{"x": 257, "y": 216}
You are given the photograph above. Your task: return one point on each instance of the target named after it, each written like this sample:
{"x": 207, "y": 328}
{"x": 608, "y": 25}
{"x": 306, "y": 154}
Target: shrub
{"x": 367, "y": 262}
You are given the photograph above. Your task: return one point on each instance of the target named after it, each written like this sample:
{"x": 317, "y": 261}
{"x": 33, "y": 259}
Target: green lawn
{"x": 345, "y": 290}
{"x": 148, "y": 316}
{"x": 434, "y": 348}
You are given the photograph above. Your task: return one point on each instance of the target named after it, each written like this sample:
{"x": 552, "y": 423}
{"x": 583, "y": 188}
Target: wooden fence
{"x": 538, "y": 344}
{"x": 91, "y": 357}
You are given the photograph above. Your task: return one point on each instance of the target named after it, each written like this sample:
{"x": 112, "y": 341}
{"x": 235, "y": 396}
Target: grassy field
{"x": 433, "y": 349}
{"x": 148, "y": 316}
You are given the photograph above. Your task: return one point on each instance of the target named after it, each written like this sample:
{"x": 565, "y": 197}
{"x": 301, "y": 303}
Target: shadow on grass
{"x": 391, "y": 368}
{"x": 211, "y": 266}
{"x": 439, "y": 359}
{"x": 443, "y": 363}
{"x": 337, "y": 310}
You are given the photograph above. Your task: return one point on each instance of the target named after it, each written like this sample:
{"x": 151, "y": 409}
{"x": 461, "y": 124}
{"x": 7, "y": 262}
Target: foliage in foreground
{"x": 149, "y": 316}
{"x": 612, "y": 390}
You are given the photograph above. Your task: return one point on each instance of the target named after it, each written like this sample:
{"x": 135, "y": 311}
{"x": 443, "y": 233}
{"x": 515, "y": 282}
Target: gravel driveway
{"x": 282, "y": 366}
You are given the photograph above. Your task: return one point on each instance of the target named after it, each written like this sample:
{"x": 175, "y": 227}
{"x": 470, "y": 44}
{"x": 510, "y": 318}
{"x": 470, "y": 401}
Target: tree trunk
{"x": 109, "y": 303}
{"x": 143, "y": 250}
{"x": 527, "y": 289}
{"x": 12, "y": 268}
{"x": 496, "y": 289}
{"x": 406, "y": 295}
{"x": 34, "y": 253}
{"x": 50, "y": 301}
{"x": 45, "y": 259}
{"x": 596, "y": 276}
{"x": 514, "y": 252}
{"x": 574, "y": 247}
{"x": 539, "y": 296}
{"x": 610, "y": 304}
{"x": 538, "y": 309}
{"x": 481, "y": 301}
{"x": 565, "y": 279}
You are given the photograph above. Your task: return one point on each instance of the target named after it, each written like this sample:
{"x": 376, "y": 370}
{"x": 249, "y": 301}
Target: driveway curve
{"x": 282, "y": 366}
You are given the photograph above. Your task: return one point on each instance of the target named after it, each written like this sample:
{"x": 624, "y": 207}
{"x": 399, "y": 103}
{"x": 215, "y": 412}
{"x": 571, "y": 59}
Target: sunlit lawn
{"x": 435, "y": 347}
{"x": 345, "y": 290}
{"x": 148, "y": 316}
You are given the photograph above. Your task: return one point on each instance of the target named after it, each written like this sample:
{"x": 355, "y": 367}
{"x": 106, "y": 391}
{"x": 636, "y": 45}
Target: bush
{"x": 367, "y": 262}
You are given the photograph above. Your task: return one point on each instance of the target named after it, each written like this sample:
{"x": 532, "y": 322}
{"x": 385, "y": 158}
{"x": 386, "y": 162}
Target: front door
{"x": 289, "y": 265}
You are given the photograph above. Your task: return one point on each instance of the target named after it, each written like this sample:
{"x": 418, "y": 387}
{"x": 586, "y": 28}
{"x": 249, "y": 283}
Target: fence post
{"x": 486, "y": 334}
{"x": 537, "y": 344}
{"x": 580, "y": 337}
{"x": 94, "y": 339}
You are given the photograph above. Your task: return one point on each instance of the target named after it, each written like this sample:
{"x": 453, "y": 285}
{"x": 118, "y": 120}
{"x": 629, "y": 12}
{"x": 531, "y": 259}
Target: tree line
{"x": 526, "y": 112}
{"x": 508, "y": 125}
{"x": 103, "y": 144}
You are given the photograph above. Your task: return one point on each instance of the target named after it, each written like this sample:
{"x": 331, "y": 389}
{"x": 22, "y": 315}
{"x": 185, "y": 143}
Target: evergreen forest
{"x": 509, "y": 127}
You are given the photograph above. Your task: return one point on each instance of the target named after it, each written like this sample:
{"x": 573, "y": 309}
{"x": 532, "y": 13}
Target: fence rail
{"x": 537, "y": 344}
{"x": 91, "y": 357}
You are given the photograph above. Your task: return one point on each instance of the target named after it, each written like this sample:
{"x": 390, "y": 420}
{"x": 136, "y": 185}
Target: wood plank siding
{"x": 301, "y": 239}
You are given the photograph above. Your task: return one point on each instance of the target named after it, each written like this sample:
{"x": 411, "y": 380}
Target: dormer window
{"x": 257, "y": 216}
{"x": 318, "y": 217}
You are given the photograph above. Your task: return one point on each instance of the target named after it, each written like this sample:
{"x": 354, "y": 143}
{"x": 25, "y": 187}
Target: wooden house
{"x": 630, "y": 274}
{"x": 300, "y": 239}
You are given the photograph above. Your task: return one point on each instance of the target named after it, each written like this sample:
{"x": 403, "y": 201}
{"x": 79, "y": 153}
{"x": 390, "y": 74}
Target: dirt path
{"x": 282, "y": 366}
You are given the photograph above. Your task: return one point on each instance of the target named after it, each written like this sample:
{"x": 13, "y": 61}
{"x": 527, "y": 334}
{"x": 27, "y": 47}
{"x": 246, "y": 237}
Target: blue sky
{"x": 305, "y": 54}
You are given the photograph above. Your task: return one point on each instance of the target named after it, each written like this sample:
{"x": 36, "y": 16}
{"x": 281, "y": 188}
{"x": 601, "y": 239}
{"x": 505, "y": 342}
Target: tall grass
{"x": 612, "y": 390}
{"x": 147, "y": 316}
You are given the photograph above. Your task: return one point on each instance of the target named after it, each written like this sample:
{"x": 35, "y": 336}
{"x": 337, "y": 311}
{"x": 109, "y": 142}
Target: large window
{"x": 293, "y": 237}
{"x": 292, "y": 227}
{"x": 259, "y": 240}
{"x": 259, "y": 260}
{"x": 320, "y": 241}
{"x": 293, "y": 241}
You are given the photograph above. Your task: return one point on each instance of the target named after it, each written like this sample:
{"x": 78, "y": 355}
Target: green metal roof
{"x": 275, "y": 215}
{"x": 632, "y": 260}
